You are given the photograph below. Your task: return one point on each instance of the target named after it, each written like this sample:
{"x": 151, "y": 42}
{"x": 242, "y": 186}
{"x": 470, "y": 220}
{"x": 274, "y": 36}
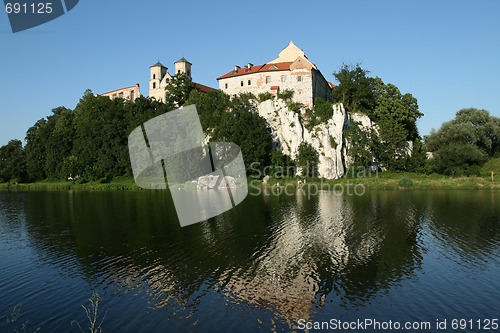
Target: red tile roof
{"x": 281, "y": 66}
{"x": 275, "y": 87}
{"x": 331, "y": 84}
{"x": 112, "y": 91}
{"x": 204, "y": 88}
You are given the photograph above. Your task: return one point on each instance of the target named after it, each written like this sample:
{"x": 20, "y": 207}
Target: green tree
{"x": 307, "y": 159}
{"x": 211, "y": 106}
{"x": 461, "y": 145}
{"x": 36, "y": 141}
{"x": 12, "y": 162}
{"x": 178, "y": 90}
{"x": 100, "y": 144}
{"x": 248, "y": 130}
{"x": 355, "y": 89}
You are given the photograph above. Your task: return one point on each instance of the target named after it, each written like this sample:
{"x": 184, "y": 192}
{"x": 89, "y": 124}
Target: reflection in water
{"x": 265, "y": 264}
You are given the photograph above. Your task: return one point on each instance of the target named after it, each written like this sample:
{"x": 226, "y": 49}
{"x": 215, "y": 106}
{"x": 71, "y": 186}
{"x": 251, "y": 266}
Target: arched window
{"x": 154, "y": 76}
{"x": 154, "y": 85}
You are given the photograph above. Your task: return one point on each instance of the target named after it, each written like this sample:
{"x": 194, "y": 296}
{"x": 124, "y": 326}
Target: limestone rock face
{"x": 328, "y": 139}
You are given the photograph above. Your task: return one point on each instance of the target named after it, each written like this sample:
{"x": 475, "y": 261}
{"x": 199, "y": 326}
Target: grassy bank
{"x": 382, "y": 180}
{"x": 407, "y": 180}
{"x": 121, "y": 183}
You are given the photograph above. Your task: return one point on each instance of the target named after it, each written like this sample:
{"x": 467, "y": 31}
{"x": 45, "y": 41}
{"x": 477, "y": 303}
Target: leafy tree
{"x": 178, "y": 90}
{"x": 210, "y": 106}
{"x": 36, "y": 141}
{"x": 361, "y": 145}
{"x": 393, "y": 106}
{"x": 60, "y": 141}
{"x": 281, "y": 165}
{"x": 248, "y": 130}
{"x": 461, "y": 145}
{"x": 12, "y": 162}
{"x": 100, "y": 144}
{"x": 355, "y": 89}
{"x": 307, "y": 159}
{"x": 142, "y": 110}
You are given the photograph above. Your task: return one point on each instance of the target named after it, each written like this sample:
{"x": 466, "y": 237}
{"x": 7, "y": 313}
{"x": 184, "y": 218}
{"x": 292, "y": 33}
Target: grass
{"x": 408, "y": 180}
{"x": 384, "y": 180}
{"x": 119, "y": 183}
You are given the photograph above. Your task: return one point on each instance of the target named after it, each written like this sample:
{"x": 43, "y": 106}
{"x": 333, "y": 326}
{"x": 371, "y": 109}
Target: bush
{"x": 405, "y": 182}
{"x": 286, "y": 94}
{"x": 294, "y": 106}
{"x": 265, "y": 96}
{"x": 323, "y": 110}
{"x": 333, "y": 143}
{"x": 307, "y": 159}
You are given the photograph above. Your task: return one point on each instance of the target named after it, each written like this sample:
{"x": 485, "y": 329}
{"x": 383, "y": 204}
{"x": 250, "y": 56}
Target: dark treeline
{"x": 89, "y": 143}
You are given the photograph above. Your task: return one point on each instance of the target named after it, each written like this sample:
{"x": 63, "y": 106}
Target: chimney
{"x": 249, "y": 65}
{"x": 137, "y": 85}
{"x": 236, "y": 67}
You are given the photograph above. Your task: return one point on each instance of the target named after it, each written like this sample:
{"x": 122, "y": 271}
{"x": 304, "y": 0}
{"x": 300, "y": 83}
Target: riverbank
{"x": 382, "y": 180}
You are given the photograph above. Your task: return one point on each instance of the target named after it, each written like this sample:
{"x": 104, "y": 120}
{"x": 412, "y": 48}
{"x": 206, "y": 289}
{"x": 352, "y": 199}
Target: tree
{"x": 100, "y": 144}
{"x": 12, "y": 162}
{"x": 36, "y": 157}
{"x": 211, "y": 106}
{"x": 307, "y": 159}
{"x": 247, "y": 129}
{"x": 461, "y": 145}
{"x": 355, "y": 89}
{"x": 178, "y": 90}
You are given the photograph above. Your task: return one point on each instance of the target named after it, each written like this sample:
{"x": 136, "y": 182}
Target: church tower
{"x": 157, "y": 73}
{"x": 183, "y": 66}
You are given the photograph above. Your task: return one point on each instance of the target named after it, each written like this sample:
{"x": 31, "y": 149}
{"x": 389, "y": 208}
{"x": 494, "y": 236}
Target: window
{"x": 167, "y": 80}
{"x": 249, "y": 82}
{"x": 225, "y": 86}
{"x": 132, "y": 95}
{"x": 154, "y": 76}
{"x": 242, "y": 83}
{"x": 283, "y": 78}
{"x": 268, "y": 79}
{"x": 154, "y": 85}
{"x": 120, "y": 95}
{"x": 179, "y": 71}
{"x": 189, "y": 73}
{"x": 299, "y": 78}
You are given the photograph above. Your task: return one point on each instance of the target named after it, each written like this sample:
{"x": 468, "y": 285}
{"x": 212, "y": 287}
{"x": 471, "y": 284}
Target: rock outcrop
{"x": 328, "y": 138}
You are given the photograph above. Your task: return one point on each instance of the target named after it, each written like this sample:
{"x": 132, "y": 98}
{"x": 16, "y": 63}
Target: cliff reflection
{"x": 286, "y": 256}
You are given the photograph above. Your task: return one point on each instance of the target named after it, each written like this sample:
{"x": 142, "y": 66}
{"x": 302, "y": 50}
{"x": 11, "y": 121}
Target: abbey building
{"x": 292, "y": 70}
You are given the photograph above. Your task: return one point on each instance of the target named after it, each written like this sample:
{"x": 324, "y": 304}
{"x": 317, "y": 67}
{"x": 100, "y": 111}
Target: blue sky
{"x": 445, "y": 53}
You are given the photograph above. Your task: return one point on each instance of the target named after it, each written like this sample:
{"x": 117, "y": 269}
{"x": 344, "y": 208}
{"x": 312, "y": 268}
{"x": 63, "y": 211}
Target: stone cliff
{"x": 328, "y": 138}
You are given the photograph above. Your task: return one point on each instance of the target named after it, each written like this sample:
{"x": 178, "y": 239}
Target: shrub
{"x": 286, "y": 94}
{"x": 405, "y": 182}
{"x": 333, "y": 143}
{"x": 307, "y": 159}
{"x": 294, "y": 106}
{"x": 265, "y": 96}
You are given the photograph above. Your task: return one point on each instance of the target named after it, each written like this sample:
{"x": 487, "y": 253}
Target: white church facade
{"x": 292, "y": 70}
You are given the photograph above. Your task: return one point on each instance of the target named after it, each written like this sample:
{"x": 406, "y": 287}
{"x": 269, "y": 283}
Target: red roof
{"x": 204, "y": 88}
{"x": 280, "y": 66}
{"x": 275, "y": 87}
{"x": 331, "y": 84}
{"x": 112, "y": 91}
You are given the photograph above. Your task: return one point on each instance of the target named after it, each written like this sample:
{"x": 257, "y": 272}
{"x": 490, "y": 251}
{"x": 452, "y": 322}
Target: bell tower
{"x": 156, "y": 74}
{"x": 183, "y": 66}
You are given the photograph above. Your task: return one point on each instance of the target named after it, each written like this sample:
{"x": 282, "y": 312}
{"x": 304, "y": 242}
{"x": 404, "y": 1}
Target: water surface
{"x": 387, "y": 255}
